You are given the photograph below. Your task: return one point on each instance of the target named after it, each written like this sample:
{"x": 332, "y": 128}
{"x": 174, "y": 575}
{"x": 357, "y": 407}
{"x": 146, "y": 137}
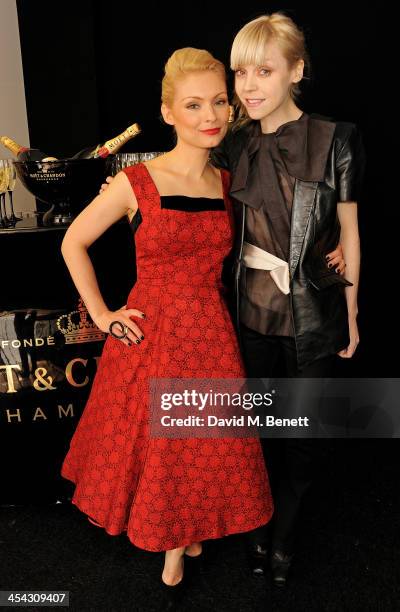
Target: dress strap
{"x": 144, "y": 188}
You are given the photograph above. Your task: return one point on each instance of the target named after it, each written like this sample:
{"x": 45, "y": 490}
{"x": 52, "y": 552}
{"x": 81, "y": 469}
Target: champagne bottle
{"x": 24, "y": 153}
{"x": 111, "y": 146}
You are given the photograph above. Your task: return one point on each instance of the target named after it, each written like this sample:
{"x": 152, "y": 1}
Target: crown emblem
{"x": 78, "y": 327}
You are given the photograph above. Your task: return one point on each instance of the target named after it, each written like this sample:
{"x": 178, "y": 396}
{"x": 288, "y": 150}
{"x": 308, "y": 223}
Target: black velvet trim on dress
{"x": 189, "y": 204}
{"x": 182, "y": 203}
{"x": 136, "y": 221}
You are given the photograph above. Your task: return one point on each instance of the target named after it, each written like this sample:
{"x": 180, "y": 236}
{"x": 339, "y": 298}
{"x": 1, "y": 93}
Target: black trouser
{"x": 289, "y": 461}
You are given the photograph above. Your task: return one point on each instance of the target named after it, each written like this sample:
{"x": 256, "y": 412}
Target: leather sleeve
{"x": 350, "y": 166}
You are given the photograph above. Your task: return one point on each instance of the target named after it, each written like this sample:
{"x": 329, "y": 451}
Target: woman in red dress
{"x": 168, "y": 494}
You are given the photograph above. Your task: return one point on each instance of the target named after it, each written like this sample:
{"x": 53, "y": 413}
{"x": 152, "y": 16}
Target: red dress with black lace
{"x": 167, "y": 493}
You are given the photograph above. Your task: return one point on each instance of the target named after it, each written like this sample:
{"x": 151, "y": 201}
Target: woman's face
{"x": 264, "y": 89}
{"x": 200, "y": 109}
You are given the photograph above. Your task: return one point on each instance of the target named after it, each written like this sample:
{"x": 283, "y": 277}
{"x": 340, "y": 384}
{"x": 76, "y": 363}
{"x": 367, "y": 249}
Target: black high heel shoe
{"x": 193, "y": 565}
{"x": 173, "y": 593}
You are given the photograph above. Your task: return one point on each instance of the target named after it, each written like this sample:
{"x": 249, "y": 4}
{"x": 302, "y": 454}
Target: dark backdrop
{"x": 91, "y": 68}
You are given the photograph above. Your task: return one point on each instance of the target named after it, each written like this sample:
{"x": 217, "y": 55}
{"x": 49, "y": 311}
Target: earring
{"x": 231, "y": 117}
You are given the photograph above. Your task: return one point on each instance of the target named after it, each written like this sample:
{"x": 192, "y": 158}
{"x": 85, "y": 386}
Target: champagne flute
{"x": 3, "y": 189}
{"x": 12, "y": 179}
{"x": 122, "y": 160}
{"x": 115, "y": 165}
{"x": 130, "y": 159}
{"x": 150, "y": 155}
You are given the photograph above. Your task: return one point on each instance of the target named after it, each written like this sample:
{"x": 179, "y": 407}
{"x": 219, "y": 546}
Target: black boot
{"x": 280, "y": 565}
{"x": 257, "y": 557}
{"x": 258, "y": 546}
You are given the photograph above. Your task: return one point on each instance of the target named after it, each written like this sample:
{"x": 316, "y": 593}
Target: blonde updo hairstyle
{"x": 183, "y": 62}
{"x": 250, "y": 43}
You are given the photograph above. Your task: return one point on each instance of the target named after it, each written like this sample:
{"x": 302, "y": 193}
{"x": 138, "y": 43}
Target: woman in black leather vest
{"x": 295, "y": 184}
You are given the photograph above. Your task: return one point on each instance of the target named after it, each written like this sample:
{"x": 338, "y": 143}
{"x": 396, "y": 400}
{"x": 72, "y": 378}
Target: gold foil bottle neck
{"x": 12, "y": 146}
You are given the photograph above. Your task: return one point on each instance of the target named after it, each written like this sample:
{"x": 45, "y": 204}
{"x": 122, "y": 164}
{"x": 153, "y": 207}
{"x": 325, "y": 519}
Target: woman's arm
{"x": 91, "y": 223}
{"x": 350, "y": 241}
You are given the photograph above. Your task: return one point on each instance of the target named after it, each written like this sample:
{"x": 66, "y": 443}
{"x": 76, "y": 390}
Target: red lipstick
{"x": 211, "y": 132}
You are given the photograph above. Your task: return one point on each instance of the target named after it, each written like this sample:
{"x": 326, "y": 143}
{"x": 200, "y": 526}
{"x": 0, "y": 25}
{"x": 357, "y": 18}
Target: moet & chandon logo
{"x": 78, "y": 327}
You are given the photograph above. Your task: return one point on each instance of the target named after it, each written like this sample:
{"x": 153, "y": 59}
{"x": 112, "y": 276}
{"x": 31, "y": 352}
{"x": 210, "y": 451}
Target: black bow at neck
{"x": 302, "y": 146}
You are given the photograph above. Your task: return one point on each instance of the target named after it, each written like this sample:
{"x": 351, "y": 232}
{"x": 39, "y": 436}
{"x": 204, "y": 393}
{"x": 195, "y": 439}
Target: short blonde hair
{"x": 249, "y": 45}
{"x": 185, "y": 61}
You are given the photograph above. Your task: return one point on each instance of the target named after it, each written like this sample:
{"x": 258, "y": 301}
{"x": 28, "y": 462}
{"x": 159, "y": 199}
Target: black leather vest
{"x": 318, "y": 301}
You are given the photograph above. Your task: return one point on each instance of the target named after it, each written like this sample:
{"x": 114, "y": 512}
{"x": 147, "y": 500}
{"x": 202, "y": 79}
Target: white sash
{"x": 258, "y": 259}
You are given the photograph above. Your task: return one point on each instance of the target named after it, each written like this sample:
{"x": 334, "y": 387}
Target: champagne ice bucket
{"x": 67, "y": 185}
